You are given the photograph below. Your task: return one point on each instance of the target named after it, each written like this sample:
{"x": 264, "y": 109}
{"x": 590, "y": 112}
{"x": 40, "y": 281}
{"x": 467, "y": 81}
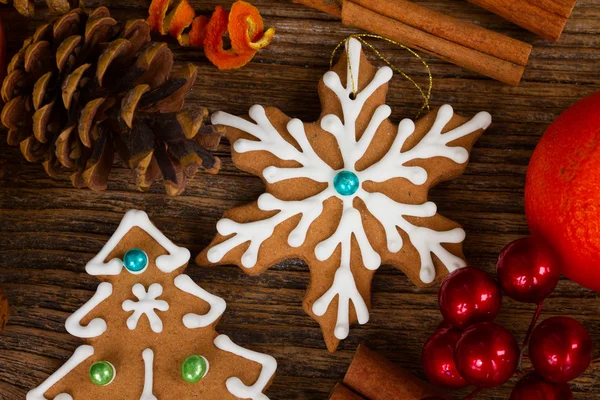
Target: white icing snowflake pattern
{"x": 146, "y": 304}
{"x": 392, "y": 215}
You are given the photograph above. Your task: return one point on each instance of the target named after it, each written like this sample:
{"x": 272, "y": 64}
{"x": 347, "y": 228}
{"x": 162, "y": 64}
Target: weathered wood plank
{"x": 48, "y": 230}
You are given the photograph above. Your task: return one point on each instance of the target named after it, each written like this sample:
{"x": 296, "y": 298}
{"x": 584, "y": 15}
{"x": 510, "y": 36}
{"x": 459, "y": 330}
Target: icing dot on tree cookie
{"x": 194, "y": 368}
{"x": 135, "y": 260}
{"x": 102, "y": 373}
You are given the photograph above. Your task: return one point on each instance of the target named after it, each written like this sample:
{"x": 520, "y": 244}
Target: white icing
{"x": 427, "y": 241}
{"x": 97, "y": 326}
{"x": 234, "y": 384}
{"x": 258, "y": 231}
{"x": 177, "y": 257}
{"x": 80, "y": 354}
{"x": 270, "y": 140}
{"x": 350, "y": 224}
{"x": 146, "y": 304}
{"x": 148, "y": 356}
{"x": 389, "y": 213}
{"x": 217, "y": 304}
{"x": 345, "y": 288}
{"x": 434, "y": 144}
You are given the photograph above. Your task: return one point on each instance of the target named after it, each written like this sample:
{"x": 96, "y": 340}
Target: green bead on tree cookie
{"x": 194, "y": 368}
{"x": 102, "y": 373}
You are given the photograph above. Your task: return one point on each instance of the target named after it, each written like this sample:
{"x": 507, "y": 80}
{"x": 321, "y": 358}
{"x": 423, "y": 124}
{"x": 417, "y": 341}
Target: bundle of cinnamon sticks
{"x": 467, "y": 45}
{"x": 470, "y": 46}
{"x": 373, "y": 377}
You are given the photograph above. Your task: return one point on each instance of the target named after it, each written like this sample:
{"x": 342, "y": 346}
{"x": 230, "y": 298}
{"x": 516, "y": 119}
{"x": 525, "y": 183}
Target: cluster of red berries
{"x": 468, "y": 348}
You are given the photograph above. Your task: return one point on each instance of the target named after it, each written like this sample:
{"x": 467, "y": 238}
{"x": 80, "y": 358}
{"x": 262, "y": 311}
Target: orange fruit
{"x": 562, "y": 191}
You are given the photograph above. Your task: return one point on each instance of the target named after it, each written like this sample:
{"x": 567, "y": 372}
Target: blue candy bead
{"x": 135, "y": 260}
{"x": 346, "y": 183}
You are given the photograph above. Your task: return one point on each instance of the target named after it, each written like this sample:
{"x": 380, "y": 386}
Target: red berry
{"x": 534, "y": 387}
{"x": 438, "y": 359}
{"x": 528, "y": 270}
{"x": 560, "y": 349}
{"x": 444, "y": 324}
{"x": 487, "y": 355}
{"x": 469, "y": 295}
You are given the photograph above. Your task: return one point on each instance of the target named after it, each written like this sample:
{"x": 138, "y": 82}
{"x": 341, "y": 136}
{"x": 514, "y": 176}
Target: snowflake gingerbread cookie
{"x": 347, "y": 193}
{"x": 150, "y": 331}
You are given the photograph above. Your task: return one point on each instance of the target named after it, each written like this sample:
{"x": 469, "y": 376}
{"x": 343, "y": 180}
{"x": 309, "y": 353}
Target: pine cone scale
{"x": 130, "y": 102}
{"x": 33, "y": 150}
{"x": 100, "y": 162}
{"x": 67, "y": 51}
{"x": 117, "y": 51}
{"x": 15, "y": 137}
{"x": 64, "y": 148}
{"x": 41, "y": 121}
{"x": 43, "y": 32}
{"x": 40, "y": 88}
{"x": 71, "y": 85}
{"x": 86, "y": 121}
{"x": 156, "y": 61}
{"x": 38, "y": 59}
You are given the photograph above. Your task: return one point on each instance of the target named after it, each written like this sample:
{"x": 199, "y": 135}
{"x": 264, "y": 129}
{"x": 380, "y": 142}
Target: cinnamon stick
{"x": 500, "y": 69}
{"x": 452, "y": 29}
{"x": 332, "y": 7}
{"x": 546, "y": 18}
{"x": 564, "y": 8}
{"x": 341, "y": 392}
{"x": 3, "y": 310}
{"x": 376, "y": 378}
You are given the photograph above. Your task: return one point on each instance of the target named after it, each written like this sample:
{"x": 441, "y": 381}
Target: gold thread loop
{"x": 361, "y": 37}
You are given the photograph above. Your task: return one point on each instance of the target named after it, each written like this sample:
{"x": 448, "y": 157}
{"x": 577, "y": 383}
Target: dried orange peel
{"x": 157, "y": 14}
{"x": 243, "y": 24}
{"x": 198, "y": 31}
{"x": 246, "y": 28}
{"x": 179, "y": 19}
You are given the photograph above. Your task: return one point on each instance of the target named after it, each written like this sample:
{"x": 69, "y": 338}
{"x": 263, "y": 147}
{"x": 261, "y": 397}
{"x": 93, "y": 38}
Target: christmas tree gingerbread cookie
{"x": 347, "y": 193}
{"x": 149, "y": 331}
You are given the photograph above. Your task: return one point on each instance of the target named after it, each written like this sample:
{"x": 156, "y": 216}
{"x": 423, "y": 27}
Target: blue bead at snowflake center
{"x": 135, "y": 260}
{"x": 346, "y": 183}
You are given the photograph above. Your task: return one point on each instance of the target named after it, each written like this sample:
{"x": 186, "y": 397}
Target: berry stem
{"x": 473, "y": 394}
{"x": 534, "y": 320}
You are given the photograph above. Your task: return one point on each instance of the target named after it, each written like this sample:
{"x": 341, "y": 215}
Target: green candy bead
{"x": 194, "y": 368}
{"x": 102, "y": 373}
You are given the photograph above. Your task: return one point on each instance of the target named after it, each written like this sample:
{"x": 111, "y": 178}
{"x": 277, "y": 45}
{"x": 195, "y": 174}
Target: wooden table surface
{"x": 49, "y": 230}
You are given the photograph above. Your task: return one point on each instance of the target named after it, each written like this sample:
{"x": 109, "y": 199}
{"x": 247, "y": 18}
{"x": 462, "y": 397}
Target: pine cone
{"x": 27, "y": 7}
{"x": 85, "y": 87}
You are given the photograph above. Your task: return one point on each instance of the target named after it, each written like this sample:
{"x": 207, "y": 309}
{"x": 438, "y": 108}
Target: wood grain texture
{"x": 48, "y": 230}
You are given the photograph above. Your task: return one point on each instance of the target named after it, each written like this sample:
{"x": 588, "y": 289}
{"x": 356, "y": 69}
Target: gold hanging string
{"x": 361, "y": 37}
